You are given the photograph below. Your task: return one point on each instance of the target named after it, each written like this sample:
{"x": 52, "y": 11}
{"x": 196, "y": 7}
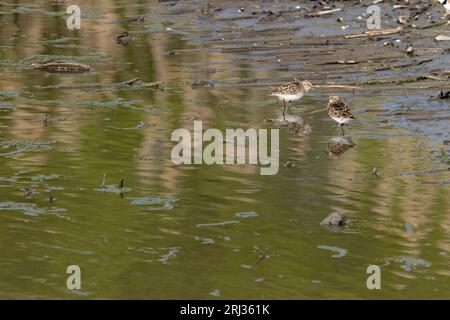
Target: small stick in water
{"x": 375, "y": 172}
{"x": 104, "y": 181}
{"x": 121, "y": 183}
{"x": 262, "y": 255}
{"x": 45, "y": 119}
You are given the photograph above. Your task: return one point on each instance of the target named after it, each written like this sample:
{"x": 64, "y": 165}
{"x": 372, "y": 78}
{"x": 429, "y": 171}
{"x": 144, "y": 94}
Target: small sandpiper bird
{"x": 339, "y": 111}
{"x": 291, "y": 91}
{"x": 446, "y": 4}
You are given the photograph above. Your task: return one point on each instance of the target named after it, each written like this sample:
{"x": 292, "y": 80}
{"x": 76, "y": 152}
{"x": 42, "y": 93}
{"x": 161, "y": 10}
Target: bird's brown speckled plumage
{"x": 339, "y": 110}
{"x": 291, "y": 88}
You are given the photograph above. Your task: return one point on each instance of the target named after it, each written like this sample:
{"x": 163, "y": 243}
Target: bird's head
{"x": 306, "y": 85}
{"x": 332, "y": 99}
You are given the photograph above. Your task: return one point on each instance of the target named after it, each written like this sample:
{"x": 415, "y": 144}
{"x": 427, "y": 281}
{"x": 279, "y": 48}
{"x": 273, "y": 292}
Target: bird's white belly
{"x": 341, "y": 120}
{"x": 290, "y": 97}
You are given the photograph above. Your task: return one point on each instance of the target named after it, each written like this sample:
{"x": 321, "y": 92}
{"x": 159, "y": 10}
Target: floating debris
{"x": 134, "y": 83}
{"x": 412, "y": 264}
{"x": 170, "y": 255}
{"x": 215, "y": 293}
{"x": 340, "y": 252}
{"x": 13, "y": 147}
{"x": 205, "y": 240}
{"x": 424, "y": 172}
{"x": 248, "y": 214}
{"x": 140, "y": 125}
{"x": 29, "y": 209}
{"x": 322, "y": 13}
{"x": 375, "y": 33}
{"x": 9, "y": 94}
{"x": 155, "y": 204}
{"x": 341, "y": 62}
{"x": 128, "y": 20}
{"x": 194, "y": 83}
{"x": 44, "y": 177}
{"x": 13, "y": 179}
{"x": 62, "y": 67}
{"x": 125, "y": 38}
{"x": 114, "y": 188}
{"x": 223, "y": 223}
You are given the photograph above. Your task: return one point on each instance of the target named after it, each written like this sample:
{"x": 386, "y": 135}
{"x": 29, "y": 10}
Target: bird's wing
{"x": 342, "y": 108}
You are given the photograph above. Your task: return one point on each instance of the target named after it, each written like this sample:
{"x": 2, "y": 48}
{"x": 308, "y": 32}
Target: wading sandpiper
{"x": 339, "y": 111}
{"x": 291, "y": 91}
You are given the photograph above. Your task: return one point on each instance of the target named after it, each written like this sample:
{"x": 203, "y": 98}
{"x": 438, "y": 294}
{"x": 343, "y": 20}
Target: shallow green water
{"x": 205, "y": 232}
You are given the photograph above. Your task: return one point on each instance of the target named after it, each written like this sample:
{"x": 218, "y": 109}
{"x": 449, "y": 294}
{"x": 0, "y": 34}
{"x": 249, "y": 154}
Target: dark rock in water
{"x": 289, "y": 165}
{"x": 61, "y": 67}
{"x": 124, "y": 38}
{"x": 444, "y": 95}
{"x": 410, "y": 51}
{"x": 335, "y": 219}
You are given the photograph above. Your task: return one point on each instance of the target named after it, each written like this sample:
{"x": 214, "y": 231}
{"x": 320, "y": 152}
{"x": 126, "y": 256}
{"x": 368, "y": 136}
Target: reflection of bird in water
{"x": 124, "y": 38}
{"x": 446, "y": 4}
{"x": 291, "y": 91}
{"x": 338, "y": 146}
{"x": 294, "y": 127}
{"x": 299, "y": 127}
{"x": 339, "y": 111}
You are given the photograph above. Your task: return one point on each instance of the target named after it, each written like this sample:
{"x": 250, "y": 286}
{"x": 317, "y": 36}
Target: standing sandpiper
{"x": 291, "y": 91}
{"x": 339, "y": 111}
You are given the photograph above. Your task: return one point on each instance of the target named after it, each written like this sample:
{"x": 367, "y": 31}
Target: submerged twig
{"x": 374, "y": 33}
{"x": 322, "y": 13}
{"x": 61, "y": 67}
{"x": 103, "y": 185}
{"x": 132, "y": 83}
